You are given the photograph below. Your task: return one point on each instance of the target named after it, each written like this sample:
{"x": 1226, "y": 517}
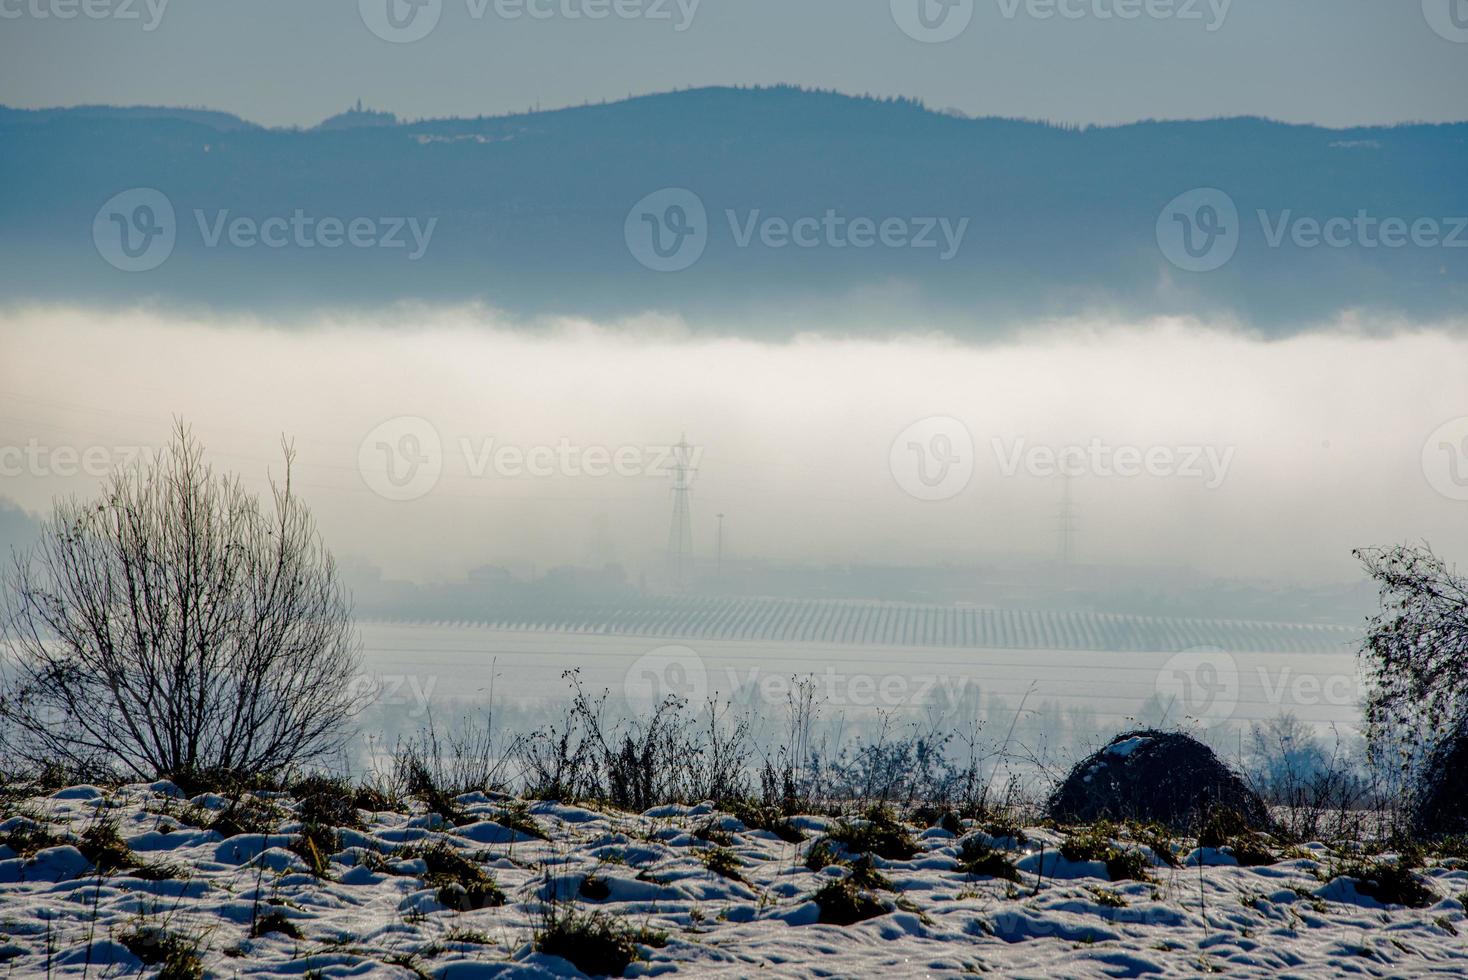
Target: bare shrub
{"x": 670, "y": 756}
{"x": 174, "y": 626}
{"x": 900, "y": 767}
{"x": 1315, "y": 792}
{"x": 1416, "y": 659}
{"x": 462, "y": 759}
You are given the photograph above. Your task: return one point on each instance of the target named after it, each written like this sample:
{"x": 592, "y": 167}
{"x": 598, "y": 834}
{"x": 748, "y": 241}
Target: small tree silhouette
{"x": 1416, "y": 658}
{"x": 175, "y": 628}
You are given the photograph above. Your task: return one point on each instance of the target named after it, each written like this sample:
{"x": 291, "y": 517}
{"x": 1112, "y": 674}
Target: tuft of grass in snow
{"x": 28, "y": 837}
{"x": 1158, "y": 838}
{"x": 101, "y": 845}
{"x": 175, "y": 954}
{"x": 821, "y": 855}
{"x": 406, "y": 961}
{"x": 842, "y": 903}
{"x": 274, "y": 922}
{"x": 879, "y": 832}
{"x": 315, "y": 844}
{"x": 595, "y": 888}
{"x": 864, "y": 874}
{"x": 1094, "y": 843}
{"x": 225, "y": 782}
{"x": 723, "y": 862}
{"x": 978, "y": 860}
{"x": 1227, "y": 828}
{"x": 462, "y": 884}
{"x": 1005, "y": 825}
{"x": 760, "y": 816}
{"x": 1388, "y": 882}
{"x": 244, "y": 815}
{"x": 1453, "y": 847}
{"x": 472, "y": 937}
{"x": 327, "y": 802}
{"x": 159, "y": 871}
{"x": 439, "y": 802}
{"x": 595, "y": 943}
{"x": 518, "y": 818}
{"x": 708, "y": 831}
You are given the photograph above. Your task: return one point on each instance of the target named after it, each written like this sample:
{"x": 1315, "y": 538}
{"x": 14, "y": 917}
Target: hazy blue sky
{"x": 1336, "y": 62}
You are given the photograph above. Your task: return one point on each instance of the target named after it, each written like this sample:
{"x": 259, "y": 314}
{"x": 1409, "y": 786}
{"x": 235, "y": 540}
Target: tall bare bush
{"x": 175, "y": 627}
{"x": 1416, "y": 658}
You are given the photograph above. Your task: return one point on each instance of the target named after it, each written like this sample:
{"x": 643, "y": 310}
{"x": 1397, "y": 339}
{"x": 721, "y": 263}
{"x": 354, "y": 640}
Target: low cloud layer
{"x": 459, "y": 441}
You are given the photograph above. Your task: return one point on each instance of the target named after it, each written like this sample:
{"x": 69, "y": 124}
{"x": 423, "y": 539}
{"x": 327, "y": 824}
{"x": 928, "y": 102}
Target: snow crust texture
{"x": 721, "y": 899}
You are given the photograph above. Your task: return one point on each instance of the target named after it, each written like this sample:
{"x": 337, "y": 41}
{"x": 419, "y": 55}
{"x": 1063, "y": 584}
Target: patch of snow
{"x": 1127, "y": 746}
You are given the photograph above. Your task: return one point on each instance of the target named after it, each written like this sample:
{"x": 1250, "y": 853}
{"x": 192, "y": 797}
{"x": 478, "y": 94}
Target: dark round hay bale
{"x": 1441, "y": 805}
{"x": 1154, "y": 777}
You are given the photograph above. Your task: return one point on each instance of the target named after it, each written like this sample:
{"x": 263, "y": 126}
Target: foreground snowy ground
{"x": 373, "y": 914}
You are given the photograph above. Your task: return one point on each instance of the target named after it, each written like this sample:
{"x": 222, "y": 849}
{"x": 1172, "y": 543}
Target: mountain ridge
{"x": 220, "y": 118}
{"x": 530, "y": 213}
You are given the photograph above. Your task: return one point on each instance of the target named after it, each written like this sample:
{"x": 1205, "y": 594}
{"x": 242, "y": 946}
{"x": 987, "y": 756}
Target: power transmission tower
{"x": 680, "y": 533}
{"x": 1066, "y": 527}
{"x": 719, "y": 548}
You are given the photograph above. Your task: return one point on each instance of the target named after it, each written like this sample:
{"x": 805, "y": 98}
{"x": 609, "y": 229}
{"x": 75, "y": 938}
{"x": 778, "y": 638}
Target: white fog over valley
{"x": 1283, "y": 455}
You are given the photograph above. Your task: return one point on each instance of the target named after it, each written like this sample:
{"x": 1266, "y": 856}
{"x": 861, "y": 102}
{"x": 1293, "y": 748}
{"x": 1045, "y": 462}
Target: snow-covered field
{"x": 372, "y": 913}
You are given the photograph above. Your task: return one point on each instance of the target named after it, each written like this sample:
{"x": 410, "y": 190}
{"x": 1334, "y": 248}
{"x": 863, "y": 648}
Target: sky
{"x": 289, "y": 62}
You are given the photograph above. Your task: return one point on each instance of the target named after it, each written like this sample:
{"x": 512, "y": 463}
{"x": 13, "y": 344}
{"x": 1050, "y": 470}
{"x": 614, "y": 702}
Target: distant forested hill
{"x": 532, "y": 211}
